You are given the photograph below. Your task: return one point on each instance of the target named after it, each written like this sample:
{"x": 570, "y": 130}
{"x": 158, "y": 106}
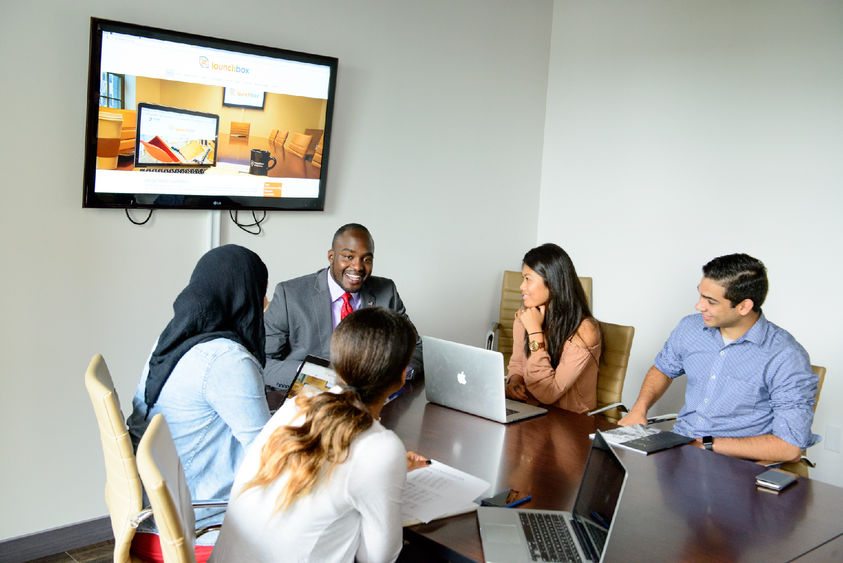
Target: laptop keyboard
{"x": 548, "y": 537}
{"x": 174, "y": 169}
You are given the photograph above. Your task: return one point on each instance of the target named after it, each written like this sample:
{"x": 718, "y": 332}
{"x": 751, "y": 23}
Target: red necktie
{"x": 346, "y": 305}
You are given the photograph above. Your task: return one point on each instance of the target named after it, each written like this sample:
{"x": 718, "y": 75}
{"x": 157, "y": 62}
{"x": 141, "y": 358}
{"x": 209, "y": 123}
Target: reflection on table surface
{"x": 238, "y": 150}
{"x": 683, "y": 504}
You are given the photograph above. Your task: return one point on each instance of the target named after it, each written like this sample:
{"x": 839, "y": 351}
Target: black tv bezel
{"x": 93, "y": 199}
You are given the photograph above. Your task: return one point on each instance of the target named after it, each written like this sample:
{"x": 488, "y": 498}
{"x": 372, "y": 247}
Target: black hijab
{"x": 224, "y": 299}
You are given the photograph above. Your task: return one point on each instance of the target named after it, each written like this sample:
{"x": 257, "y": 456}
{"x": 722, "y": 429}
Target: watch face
{"x": 535, "y": 346}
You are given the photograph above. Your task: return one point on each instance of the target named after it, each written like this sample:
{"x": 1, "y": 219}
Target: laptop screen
{"x": 600, "y": 490}
{"x": 169, "y": 136}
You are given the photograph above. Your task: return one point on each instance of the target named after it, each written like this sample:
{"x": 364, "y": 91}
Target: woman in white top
{"x": 323, "y": 481}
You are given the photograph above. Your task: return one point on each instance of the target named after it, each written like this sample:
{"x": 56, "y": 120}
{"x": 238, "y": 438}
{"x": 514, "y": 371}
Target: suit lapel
{"x": 367, "y": 298}
{"x": 321, "y": 300}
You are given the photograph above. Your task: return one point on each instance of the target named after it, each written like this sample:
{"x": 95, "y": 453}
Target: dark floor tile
{"x": 57, "y": 558}
{"x": 97, "y": 553}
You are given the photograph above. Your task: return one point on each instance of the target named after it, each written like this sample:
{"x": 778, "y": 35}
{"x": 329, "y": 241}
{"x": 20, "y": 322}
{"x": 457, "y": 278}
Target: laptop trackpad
{"x": 503, "y": 533}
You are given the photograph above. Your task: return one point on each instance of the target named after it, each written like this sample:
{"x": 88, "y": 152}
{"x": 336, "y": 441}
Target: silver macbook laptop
{"x": 470, "y": 379}
{"x": 513, "y": 535}
{"x": 170, "y": 139}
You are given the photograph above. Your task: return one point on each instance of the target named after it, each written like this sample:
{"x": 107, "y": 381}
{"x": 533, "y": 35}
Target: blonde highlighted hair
{"x": 370, "y": 350}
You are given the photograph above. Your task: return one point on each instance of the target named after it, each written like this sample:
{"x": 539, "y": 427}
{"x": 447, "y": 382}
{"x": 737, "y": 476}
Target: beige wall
{"x": 434, "y": 191}
{"x": 678, "y": 131}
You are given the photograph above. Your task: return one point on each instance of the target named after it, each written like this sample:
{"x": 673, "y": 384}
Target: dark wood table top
{"x": 684, "y": 504}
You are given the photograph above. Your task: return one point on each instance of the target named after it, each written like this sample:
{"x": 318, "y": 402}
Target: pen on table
{"x": 394, "y": 395}
{"x": 519, "y": 502}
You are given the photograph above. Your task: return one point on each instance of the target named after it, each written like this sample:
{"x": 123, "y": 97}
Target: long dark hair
{"x": 370, "y": 349}
{"x": 566, "y": 306}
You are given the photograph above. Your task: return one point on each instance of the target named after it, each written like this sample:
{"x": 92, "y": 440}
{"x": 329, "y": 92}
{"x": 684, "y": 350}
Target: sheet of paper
{"x": 439, "y": 490}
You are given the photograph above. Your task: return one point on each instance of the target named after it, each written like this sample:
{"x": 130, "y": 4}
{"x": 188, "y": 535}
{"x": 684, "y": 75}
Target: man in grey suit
{"x": 304, "y": 311}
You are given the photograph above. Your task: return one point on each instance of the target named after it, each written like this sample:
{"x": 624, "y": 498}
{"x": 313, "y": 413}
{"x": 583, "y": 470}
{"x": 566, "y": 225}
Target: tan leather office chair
{"x": 281, "y": 138}
{"x": 317, "y": 155}
{"x": 611, "y": 372}
{"x": 122, "y": 483}
{"x": 499, "y": 336}
{"x": 298, "y": 144}
{"x": 240, "y": 128}
{"x": 801, "y": 467}
{"x": 272, "y": 135}
{"x": 163, "y": 478}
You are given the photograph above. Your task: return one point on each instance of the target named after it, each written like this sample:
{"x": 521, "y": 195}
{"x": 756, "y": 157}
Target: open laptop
{"x": 470, "y": 379}
{"x": 514, "y": 535}
{"x": 170, "y": 139}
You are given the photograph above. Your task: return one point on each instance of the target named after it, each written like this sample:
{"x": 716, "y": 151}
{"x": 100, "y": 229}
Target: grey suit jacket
{"x": 298, "y": 322}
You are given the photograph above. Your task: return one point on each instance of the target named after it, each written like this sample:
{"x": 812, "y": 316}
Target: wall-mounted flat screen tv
{"x": 177, "y": 120}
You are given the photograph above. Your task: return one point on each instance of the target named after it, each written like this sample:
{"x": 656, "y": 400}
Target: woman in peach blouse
{"x": 556, "y": 341}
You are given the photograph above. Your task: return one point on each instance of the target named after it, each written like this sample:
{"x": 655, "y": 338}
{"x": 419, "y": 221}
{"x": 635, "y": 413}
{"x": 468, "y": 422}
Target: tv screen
{"x": 177, "y": 120}
{"x": 243, "y": 98}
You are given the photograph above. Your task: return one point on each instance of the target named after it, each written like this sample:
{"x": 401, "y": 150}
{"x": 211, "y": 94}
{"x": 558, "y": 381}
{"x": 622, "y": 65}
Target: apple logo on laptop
{"x": 461, "y": 378}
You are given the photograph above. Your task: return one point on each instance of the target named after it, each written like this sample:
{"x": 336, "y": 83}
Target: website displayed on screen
{"x": 181, "y": 121}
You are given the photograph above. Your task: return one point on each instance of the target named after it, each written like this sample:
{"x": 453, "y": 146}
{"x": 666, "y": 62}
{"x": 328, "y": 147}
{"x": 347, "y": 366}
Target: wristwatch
{"x": 535, "y": 346}
{"x": 708, "y": 443}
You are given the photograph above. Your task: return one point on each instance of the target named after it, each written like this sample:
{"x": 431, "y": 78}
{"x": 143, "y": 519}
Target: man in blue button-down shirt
{"x": 750, "y": 390}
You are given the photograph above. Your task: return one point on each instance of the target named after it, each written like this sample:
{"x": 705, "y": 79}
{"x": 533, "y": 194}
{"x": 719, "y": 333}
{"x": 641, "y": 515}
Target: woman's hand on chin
{"x": 532, "y": 318}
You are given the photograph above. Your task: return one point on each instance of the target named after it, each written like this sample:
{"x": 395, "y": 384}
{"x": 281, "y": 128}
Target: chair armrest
{"x": 490, "y": 336}
{"x": 662, "y": 418}
{"x": 620, "y": 406}
{"x": 209, "y": 503}
{"x": 140, "y": 517}
{"x": 206, "y": 529}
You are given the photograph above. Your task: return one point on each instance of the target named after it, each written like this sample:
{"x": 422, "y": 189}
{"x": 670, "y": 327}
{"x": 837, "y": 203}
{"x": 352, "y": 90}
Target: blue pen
{"x": 519, "y": 502}
{"x": 395, "y": 395}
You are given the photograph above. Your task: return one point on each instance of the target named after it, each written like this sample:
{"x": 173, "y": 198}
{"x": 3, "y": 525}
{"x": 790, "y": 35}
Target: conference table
{"x": 682, "y": 504}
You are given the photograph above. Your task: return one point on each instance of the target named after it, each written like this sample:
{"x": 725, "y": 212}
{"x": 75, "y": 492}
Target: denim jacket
{"x": 215, "y": 405}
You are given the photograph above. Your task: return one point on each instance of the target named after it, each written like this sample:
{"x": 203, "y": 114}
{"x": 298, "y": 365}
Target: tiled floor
{"x": 97, "y": 553}
{"x": 104, "y": 553}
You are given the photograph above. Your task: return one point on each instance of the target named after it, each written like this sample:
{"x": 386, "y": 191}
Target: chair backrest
{"x": 511, "y": 302}
{"x": 298, "y": 144}
{"x": 272, "y": 135}
{"x": 281, "y": 138}
{"x": 317, "y": 155}
{"x": 240, "y": 128}
{"x": 163, "y": 478}
{"x": 122, "y": 484}
{"x": 820, "y": 371}
{"x": 614, "y": 359}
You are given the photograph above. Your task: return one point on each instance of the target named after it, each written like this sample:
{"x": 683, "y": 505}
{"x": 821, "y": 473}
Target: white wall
{"x": 430, "y": 97}
{"x": 678, "y": 131}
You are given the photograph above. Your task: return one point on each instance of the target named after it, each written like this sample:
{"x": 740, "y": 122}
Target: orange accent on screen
{"x": 272, "y": 189}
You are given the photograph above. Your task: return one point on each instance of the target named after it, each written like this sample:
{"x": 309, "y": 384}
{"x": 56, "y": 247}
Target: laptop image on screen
{"x": 470, "y": 379}
{"x": 514, "y": 535}
{"x": 171, "y": 139}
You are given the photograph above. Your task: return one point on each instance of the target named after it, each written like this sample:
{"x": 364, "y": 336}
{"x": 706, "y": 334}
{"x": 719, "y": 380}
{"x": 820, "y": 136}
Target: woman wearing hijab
{"x": 205, "y": 377}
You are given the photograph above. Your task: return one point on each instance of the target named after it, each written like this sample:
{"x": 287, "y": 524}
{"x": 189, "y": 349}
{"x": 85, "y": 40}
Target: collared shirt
{"x": 336, "y": 298}
{"x": 215, "y": 406}
{"x": 761, "y": 383}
